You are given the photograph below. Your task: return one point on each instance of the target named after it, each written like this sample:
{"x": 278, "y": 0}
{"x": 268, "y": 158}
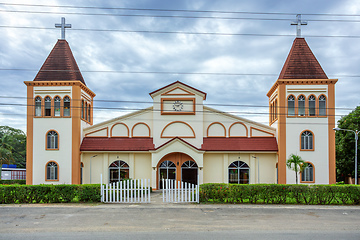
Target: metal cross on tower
{"x": 62, "y": 26}
{"x": 298, "y": 24}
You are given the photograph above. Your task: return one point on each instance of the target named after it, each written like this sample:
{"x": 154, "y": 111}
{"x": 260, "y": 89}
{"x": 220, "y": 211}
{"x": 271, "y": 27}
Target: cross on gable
{"x": 298, "y": 24}
{"x": 62, "y": 26}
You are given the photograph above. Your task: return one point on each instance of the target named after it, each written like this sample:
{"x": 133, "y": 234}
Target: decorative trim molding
{"x": 207, "y": 131}
{"x": 107, "y": 132}
{"x": 140, "y": 123}
{"x": 179, "y": 112}
{"x": 257, "y": 129}
{"x": 120, "y": 123}
{"x": 162, "y": 132}
{"x": 247, "y": 133}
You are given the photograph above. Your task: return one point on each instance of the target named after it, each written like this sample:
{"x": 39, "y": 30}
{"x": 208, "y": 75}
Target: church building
{"x": 179, "y": 137}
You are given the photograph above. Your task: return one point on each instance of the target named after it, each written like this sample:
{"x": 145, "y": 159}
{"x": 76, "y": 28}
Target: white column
{"x": 253, "y": 168}
{"x": 132, "y": 165}
{"x": 105, "y": 168}
{"x": 201, "y": 175}
{"x": 225, "y": 168}
{"x": 153, "y": 177}
{"x": 153, "y": 170}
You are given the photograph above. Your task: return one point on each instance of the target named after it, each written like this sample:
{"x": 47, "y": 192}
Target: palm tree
{"x": 296, "y": 164}
{"x": 6, "y": 150}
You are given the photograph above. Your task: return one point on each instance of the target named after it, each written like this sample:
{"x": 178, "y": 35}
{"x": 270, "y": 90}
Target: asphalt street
{"x": 178, "y": 221}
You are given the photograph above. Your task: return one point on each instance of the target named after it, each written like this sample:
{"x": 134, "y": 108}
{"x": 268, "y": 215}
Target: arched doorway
{"x": 167, "y": 170}
{"x": 177, "y": 166}
{"x": 189, "y": 172}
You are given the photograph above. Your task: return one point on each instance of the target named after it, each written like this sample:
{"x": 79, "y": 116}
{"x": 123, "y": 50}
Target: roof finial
{"x": 298, "y": 24}
{"x": 62, "y": 26}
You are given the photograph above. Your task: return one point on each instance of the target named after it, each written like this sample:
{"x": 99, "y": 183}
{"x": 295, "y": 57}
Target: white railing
{"x": 178, "y": 191}
{"x": 127, "y": 191}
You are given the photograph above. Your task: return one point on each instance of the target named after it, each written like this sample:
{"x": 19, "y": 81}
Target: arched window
{"x": 118, "y": 170}
{"x": 239, "y": 173}
{"x": 47, "y": 106}
{"x": 38, "y": 106}
{"x": 312, "y": 108}
{"x": 322, "y": 105}
{"x": 66, "y": 106}
{"x": 82, "y": 109}
{"x": 52, "y": 139}
{"x": 57, "y": 102}
{"x": 85, "y": 111}
{"x": 81, "y": 172}
{"x": 307, "y": 141}
{"x": 291, "y": 105}
{"x": 88, "y": 113}
{"x": 52, "y": 171}
{"x": 301, "y": 105}
{"x": 307, "y": 174}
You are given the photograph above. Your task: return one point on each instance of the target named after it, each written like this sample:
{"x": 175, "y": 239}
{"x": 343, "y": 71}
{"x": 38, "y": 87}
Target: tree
{"x": 345, "y": 145}
{"x": 12, "y": 146}
{"x": 296, "y": 164}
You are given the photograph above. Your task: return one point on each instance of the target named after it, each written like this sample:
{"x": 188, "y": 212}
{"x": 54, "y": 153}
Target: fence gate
{"x": 179, "y": 191}
{"x": 127, "y": 191}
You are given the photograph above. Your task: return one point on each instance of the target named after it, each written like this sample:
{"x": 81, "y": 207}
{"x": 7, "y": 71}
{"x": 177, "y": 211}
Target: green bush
{"x": 49, "y": 193}
{"x": 8, "y": 182}
{"x": 280, "y": 194}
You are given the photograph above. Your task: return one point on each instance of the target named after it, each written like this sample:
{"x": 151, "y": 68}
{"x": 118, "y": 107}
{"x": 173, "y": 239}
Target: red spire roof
{"x": 60, "y": 65}
{"x": 301, "y": 63}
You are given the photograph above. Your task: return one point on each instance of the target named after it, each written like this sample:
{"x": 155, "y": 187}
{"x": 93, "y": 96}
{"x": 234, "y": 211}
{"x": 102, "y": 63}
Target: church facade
{"x": 179, "y": 137}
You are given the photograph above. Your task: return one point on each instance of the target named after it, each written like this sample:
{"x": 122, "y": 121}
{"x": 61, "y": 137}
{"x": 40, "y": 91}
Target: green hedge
{"x": 6, "y": 182}
{"x": 49, "y": 193}
{"x": 280, "y": 194}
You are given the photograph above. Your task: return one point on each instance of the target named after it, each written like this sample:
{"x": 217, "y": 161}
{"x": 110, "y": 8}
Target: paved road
{"x": 178, "y": 221}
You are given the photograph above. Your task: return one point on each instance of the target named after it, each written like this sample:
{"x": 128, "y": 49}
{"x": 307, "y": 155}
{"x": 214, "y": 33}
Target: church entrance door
{"x": 178, "y": 166}
{"x": 189, "y": 172}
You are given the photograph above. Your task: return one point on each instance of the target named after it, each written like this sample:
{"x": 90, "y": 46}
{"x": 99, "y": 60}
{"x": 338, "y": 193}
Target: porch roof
{"x": 116, "y": 144}
{"x": 240, "y": 144}
{"x": 209, "y": 144}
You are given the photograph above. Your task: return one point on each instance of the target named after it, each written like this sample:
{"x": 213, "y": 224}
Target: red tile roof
{"x": 180, "y": 83}
{"x": 240, "y": 144}
{"x": 60, "y": 65}
{"x": 116, "y": 144}
{"x": 180, "y": 139}
{"x": 301, "y": 63}
{"x": 209, "y": 144}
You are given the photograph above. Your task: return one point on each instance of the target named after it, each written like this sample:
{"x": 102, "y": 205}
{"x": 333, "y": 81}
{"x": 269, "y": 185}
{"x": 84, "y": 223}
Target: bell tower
{"x": 302, "y": 108}
{"x": 59, "y": 106}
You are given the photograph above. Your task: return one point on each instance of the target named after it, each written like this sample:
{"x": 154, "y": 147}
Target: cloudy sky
{"x": 233, "y": 50}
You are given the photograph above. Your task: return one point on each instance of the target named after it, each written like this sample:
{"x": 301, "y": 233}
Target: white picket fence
{"x": 179, "y": 191}
{"x": 128, "y": 191}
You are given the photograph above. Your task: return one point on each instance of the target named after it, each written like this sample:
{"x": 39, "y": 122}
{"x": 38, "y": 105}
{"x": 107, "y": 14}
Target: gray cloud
{"x": 154, "y": 52}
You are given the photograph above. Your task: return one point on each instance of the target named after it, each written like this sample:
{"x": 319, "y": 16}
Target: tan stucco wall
{"x": 216, "y": 166}
{"x": 139, "y": 165}
{"x": 213, "y": 168}
{"x": 143, "y": 166}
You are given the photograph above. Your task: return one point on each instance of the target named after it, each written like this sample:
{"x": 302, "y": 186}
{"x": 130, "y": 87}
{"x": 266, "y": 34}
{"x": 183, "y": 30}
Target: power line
{"x": 154, "y": 102}
{"x": 177, "y": 10}
{"x": 174, "y": 73}
{"x": 248, "y": 121}
{"x": 186, "y": 33}
{"x": 149, "y": 16}
{"x": 160, "y": 110}
{"x": 179, "y": 16}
